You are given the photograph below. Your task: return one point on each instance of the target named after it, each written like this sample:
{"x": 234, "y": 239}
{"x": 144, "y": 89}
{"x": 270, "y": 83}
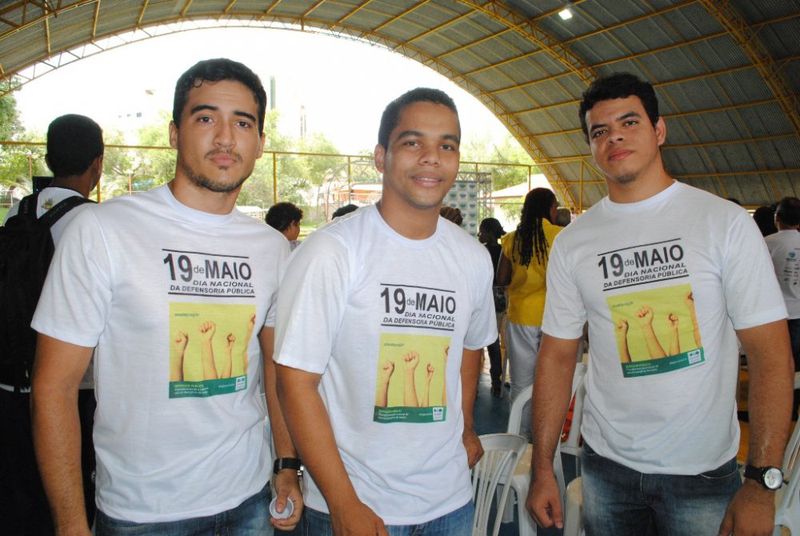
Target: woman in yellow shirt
{"x": 522, "y": 268}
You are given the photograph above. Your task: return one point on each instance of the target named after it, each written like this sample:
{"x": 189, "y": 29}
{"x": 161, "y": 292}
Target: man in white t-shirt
{"x": 75, "y": 156}
{"x": 174, "y": 290}
{"x": 382, "y": 317}
{"x": 667, "y": 277}
{"x": 784, "y": 247}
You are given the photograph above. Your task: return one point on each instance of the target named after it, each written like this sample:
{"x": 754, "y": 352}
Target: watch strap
{"x": 286, "y": 463}
{"x": 759, "y": 474}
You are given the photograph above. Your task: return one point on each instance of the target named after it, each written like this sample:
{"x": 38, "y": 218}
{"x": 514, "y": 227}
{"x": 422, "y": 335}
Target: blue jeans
{"x": 618, "y": 500}
{"x": 251, "y": 518}
{"x": 456, "y": 523}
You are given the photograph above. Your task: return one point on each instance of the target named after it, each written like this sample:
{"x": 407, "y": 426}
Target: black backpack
{"x": 26, "y": 248}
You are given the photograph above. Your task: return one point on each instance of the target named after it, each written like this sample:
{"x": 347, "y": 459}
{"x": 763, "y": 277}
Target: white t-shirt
{"x": 655, "y": 264}
{"x": 134, "y": 277}
{"x": 48, "y": 198}
{"x": 358, "y": 296}
{"x": 784, "y": 247}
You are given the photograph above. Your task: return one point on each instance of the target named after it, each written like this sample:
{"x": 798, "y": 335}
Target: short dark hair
{"x": 73, "y": 143}
{"x": 391, "y": 115}
{"x": 788, "y": 211}
{"x": 345, "y": 209}
{"x": 281, "y": 215}
{"x": 215, "y": 70}
{"x": 492, "y": 226}
{"x": 618, "y": 86}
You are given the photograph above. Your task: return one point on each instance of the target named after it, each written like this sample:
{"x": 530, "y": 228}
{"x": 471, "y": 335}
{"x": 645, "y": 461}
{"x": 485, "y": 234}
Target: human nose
{"x": 614, "y": 134}
{"x": 430, "y": 156}
{"x": 224, "y": 134}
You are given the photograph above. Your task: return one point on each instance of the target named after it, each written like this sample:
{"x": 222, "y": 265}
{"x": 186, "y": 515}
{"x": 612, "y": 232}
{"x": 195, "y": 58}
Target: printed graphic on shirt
{"x": 208, "y": 348}
{"x": 656, "y": 330}
{"x": 411, "y": 384}
{"x": 790, "y": 274}
{"x": 195, "y": 273}
{"x": 643, "y": 264}
{"x": 418, "y": 307}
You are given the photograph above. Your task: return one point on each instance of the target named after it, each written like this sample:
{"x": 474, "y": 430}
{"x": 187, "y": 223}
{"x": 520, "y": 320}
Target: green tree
{"x": 17, "y": 163}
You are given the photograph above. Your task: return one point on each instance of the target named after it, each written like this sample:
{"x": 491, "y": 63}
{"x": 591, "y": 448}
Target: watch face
{"x": 773, "y": 478}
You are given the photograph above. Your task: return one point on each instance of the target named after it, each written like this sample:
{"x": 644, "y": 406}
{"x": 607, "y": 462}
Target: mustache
{"x": 215, "y": 152}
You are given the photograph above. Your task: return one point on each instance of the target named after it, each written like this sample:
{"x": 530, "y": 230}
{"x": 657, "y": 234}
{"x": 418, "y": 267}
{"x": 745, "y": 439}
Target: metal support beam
{"x": 751, "y": 44}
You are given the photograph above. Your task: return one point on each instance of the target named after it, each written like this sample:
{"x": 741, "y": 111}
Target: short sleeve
{"x": 752, "y": 294}
{"x": 311, "y": 304}
{"x": 482, "y": 329}
{"x": 564, "y": 310}
{"x": 76, "y": 296}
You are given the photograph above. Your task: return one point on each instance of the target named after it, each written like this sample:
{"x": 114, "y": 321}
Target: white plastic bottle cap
{"x": 288, "y": 510}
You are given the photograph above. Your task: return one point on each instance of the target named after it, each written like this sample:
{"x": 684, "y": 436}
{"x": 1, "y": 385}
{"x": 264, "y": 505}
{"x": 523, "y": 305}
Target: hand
{"x": 429, "y": 370}
{"x": 544, "y": 501}
{"x": 751, "y": 512}
{"x": 473, "y": 446}
{"x": 180, "y": 341}
{"x": 207, "y": 330}
{"x": 672, "y": 320}
{"x": 251, "y": 323}
{"x": 386, "y": 371}
{"x": 689, "y": 299}
{"x": 412, "y": 360}
{"x": 287, "y": 486}
{"x": 645, "y": 315}
{"x": 230, "y": 339}
{"x": 621, "y": 327}
{"x": 357, "y": 519}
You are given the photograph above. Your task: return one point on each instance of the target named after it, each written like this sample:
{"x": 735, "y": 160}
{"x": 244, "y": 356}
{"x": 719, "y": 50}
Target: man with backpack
{"x": 75, "y": 156}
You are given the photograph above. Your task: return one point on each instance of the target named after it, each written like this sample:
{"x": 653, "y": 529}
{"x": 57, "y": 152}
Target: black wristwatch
{"x": 287, "y": 463}
{"x": 769, "y": 477}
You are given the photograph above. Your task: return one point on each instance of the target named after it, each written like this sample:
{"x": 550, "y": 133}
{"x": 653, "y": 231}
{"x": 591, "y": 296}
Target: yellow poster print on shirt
{"x": 411, "y": 384}
{"x": 656, "y": 330}
{"x": 208, "y": 348}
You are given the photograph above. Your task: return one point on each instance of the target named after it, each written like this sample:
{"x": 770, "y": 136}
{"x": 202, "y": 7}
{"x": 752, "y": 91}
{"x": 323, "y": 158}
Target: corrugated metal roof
{"x": 727, "y": 74}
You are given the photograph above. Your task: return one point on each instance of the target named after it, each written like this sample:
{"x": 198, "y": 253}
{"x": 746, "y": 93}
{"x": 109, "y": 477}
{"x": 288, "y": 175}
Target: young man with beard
{"x": 382, "y": 317}
{"x": 667, "y": 276}
{"x": 174, "y": 289}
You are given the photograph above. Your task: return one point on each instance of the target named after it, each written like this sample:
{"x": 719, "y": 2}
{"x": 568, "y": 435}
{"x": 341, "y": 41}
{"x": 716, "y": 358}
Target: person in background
{"x": 453, "y": 214}
{"x": 75, "y": 151}
{"x": 344, "y": 209}
{"x": 285, "y": 217}
{"x": 490, "y": 231}
{"x": 784, "y": 248}
{"x": 522, "y": 270}
{"x": 764, "y": 217}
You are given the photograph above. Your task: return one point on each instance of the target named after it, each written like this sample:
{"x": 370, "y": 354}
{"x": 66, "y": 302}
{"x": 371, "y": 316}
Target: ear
{"x": 661, "y": 131}
{"x": 261, "y": 141}
{"x": 173, "y": 135}
{"x": 380, "y": 155}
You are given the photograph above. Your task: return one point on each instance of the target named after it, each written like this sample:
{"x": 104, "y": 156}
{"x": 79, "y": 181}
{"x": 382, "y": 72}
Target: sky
{"x": 343, "y": 85}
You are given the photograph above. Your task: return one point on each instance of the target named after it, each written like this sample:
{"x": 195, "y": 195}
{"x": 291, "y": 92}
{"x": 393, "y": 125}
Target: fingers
{"x": 726, "y": 528}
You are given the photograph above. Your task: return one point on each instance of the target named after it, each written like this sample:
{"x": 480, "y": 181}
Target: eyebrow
{"x": 201, "y": 107}
{"x": 408, "y": 133}
{"x": 620, "y": 118}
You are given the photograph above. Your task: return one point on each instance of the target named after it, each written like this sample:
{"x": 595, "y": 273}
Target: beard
{"x": 210, "y": 184}
{"x": 625, "y": 179}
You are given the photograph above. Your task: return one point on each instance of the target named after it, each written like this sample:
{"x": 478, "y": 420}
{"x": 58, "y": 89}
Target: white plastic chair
{"x": 500, "y": 455}
{"x": 573, "y": 509}
{"x": 521, "y": 479}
